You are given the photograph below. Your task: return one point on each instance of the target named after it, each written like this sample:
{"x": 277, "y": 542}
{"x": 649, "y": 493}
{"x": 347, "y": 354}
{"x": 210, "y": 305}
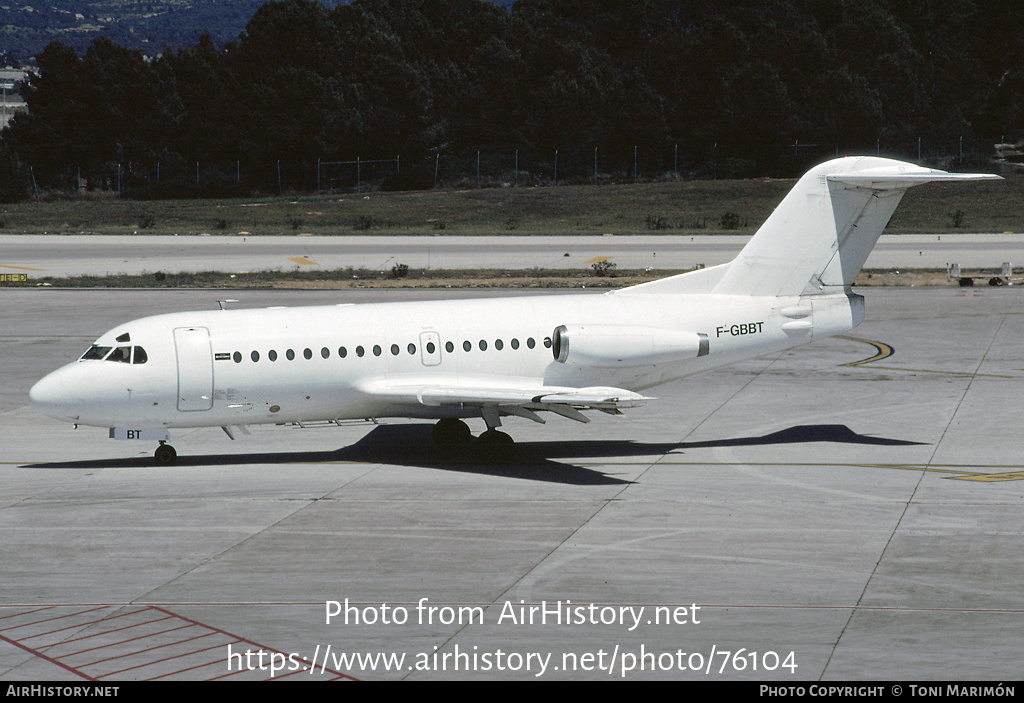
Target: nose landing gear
{"x": 165, "y": 454}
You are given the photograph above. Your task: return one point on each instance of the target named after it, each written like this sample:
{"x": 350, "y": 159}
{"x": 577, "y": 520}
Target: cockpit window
{"x": 122, "y": 354}
{"x": 96, "y": 352}
{"x": 125, "y": 355}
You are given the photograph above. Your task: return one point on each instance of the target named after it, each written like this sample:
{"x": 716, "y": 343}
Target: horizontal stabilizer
{"x": 891, "y": 179}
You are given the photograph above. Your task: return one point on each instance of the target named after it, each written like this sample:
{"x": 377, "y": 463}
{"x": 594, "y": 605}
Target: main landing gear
{"x": 165, "y": 454}
{"x": 492, "y": 446}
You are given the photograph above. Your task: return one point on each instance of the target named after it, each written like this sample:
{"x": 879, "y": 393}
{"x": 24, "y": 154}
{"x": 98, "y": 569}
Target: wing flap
{"x": 439, "y": 394}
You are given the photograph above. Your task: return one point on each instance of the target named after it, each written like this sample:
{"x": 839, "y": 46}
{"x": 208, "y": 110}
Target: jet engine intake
{"x": 625, "y": 345}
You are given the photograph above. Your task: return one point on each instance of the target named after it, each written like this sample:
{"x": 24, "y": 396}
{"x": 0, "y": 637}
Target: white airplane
{"x": 449, "y": 360}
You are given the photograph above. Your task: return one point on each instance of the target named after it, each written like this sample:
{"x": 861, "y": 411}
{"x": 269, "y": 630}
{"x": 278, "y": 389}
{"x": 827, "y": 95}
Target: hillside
{"x": 149, "y": 25}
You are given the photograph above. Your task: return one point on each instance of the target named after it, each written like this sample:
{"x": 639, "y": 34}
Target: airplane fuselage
{"x": 274, "y": 365}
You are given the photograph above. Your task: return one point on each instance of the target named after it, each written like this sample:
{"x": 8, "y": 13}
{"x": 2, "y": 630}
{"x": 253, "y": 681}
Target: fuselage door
{"x": 430, "y": 348}
{"x": 195, "y": 368}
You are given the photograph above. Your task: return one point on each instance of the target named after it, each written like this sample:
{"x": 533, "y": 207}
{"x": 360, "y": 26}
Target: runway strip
{"x": 71, "y": 255}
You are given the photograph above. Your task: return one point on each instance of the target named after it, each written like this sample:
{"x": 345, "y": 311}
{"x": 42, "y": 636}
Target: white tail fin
{"x": 822, "y": 232}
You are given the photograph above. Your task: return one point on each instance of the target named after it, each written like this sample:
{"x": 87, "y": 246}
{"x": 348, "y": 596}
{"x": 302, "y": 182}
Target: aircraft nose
{"x": 50, "y": 396}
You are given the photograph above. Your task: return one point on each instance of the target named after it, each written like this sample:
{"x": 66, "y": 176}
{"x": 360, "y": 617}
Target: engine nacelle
{"x": 625, "y": 345}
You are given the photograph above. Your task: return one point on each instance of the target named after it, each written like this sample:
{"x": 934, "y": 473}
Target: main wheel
{"x": 452, "y": 434}
{"x": 495, "y": 447}
{"x": 165, "y": 455}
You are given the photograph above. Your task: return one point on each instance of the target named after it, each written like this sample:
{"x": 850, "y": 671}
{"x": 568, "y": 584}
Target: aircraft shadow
{"x": 803, "y": 434}
{"x": 412, "y": 445}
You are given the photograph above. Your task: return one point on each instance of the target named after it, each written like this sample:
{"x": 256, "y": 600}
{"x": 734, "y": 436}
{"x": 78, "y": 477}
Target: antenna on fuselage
{"x": 224, "y": 303}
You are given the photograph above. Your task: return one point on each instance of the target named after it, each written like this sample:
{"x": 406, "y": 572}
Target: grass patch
{"x": 446, "y": 278}
{"x": 681, "y": 207}
{"x": 363, "y": 278}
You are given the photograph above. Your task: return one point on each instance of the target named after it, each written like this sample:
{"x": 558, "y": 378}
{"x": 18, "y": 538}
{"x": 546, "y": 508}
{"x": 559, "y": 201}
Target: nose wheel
{"x": 165, "y": 454}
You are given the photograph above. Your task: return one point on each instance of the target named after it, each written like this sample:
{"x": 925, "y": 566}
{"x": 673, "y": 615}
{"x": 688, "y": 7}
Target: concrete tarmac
{"x": 791, "y": 518}
{"x": 73, "y": 255}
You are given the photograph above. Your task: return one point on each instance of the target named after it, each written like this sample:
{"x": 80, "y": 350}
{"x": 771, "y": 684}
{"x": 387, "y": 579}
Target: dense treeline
{"x": 743, "y": 82}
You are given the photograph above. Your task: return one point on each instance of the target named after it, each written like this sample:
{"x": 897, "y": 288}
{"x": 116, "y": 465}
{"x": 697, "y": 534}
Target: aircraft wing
{"x": 564, "y": 400}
